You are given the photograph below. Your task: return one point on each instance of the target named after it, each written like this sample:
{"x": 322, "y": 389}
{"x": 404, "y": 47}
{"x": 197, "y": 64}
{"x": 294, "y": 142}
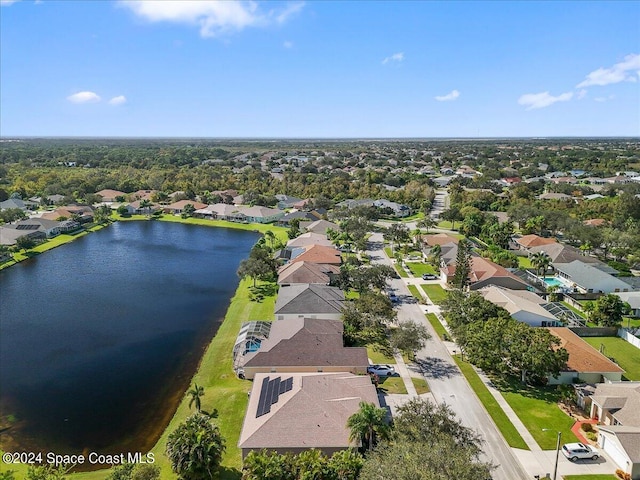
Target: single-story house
{"x": 438, "y": 239}
{"x": 396, "y": 209}
{"x": 109, "y": 195}
{"x": 319, "y": 254}
{"x": 304, "y": 345}
{"x": 351, "y": 203}
{"x": 16, "y": 203}
{"x": 309, "y": 300}
{"x": 142, "y": 195}
{"x": 83, "y": 213}
{"x": 590, "y": 279}
{"x": 286, "y": 219}
{"x": 286, "y": 201}
{"x": 178, "y": 207}
{"x": 633, "y": 299}
{"x": 616, "y": 406}
{"x": 308, "y": 239}
{"x": 485, "y": 273}
{"x": 258, "y": 214}
{"x": 585, "y": 364}
{"x": 561, "y": 253}
{"x": 10, "y": 235}
{"x": 298, "y": 411}
{"x": 595, "y": 222}
{"x": 527, "y": 241}
{"x": 523, "y": 305}
{"x": 321, "y": 226}
{"x": 307, "y": 272}
{"x": 554, "y": 196}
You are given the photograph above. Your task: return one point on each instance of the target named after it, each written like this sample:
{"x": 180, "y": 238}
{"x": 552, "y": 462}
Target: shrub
{"x": 587, "y": 427}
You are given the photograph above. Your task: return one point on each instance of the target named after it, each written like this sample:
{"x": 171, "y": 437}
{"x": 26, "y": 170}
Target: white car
{"x": 381, "y": 370}
{"x": 575, "y": 451}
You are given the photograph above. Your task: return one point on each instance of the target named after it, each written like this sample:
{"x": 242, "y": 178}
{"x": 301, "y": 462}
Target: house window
{"x": 273, "y": 370}
{"x": 320, "y": 369}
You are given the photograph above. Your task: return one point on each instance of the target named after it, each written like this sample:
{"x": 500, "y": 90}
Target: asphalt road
{"x": 447, "y": 383}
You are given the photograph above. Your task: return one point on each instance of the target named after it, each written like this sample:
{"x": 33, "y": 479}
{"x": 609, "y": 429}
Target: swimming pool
{"x": 554, "y": 282}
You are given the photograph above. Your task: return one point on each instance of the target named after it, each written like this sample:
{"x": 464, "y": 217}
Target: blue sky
{"x": 319, "y": 69}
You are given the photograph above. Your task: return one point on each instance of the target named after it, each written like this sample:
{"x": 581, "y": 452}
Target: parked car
{"x": 429, "y": 276}
{"x": 381, "y": 370}
{"x": 575, "y": 451}
{"x": 393, "y": 297}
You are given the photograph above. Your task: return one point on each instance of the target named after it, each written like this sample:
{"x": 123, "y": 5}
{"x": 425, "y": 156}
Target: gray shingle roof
{"x": 309, "y": 299}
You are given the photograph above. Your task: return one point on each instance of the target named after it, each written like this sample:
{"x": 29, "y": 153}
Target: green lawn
{"x": 437, "y": 326}
{"x": 421, "y": 385}
{"x": 446, "y": 224}
{"x": 414, "y": 291}
{"x": 376, "y": 356}
{"x": 524, "y": 262}
{"x": 387, "y": 250}
{"x": 435, "y": 292}
{"x": 392, "y": 385}
{"x": 401, "y": 271}
{"x": 419, "y": 268}
{"x": 501, "y": 420}
{"x": 538, "y": 409}
{"x": 591, "y": 477}
{"x": 625, "y": 354}
{"x": 631, "y": 322}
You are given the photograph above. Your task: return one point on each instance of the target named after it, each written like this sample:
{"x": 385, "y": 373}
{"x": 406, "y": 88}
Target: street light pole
{"x": 555, "y": 469}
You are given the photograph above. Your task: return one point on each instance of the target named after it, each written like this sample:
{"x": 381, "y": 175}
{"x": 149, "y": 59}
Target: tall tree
{"x": 609, "y": 310}
{"x": 368, "y": 424}
{"x": 25, "y": 243}
{"x": 541, "y": 262}
{"x": 409, "y": 337}
{"x": 195, "y": 448}
{"x": 463, "y": 265}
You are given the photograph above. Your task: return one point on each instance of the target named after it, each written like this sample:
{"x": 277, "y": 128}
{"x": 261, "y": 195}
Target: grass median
{"x": 508, "y": 431}
{"x": 437, "y": 326}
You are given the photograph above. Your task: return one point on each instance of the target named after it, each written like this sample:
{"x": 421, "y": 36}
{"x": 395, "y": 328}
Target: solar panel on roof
{"x": 27, "y": 227}
{"x": 263, "y": 396}
{"x": 275, "y": 391}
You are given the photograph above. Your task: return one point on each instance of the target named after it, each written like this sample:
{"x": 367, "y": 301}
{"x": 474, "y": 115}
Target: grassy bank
{"x": 508, "y": 431}
{"x": 437, "y": 325}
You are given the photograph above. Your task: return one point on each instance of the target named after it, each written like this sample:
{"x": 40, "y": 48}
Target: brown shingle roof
{"x": 180, "y": 204}
{"x": 320, "y": 254}
{"x": 312, "y": 415}
{"x": 439, "y": 239}
{"x": 582, "y": 356}
{"x": 307, "y": 342}
{"x": 306, "y": 272}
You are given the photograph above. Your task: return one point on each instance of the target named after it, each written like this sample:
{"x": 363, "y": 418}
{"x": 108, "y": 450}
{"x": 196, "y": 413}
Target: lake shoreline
{"x": 177, "y": 413}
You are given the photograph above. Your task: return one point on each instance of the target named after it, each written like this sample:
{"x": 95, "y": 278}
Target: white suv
{"x": 574, "y": 451}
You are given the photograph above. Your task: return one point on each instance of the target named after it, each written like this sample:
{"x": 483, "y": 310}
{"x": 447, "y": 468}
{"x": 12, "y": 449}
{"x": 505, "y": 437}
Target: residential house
{"x": 319, "y": 254}
{"x": 321, "y": 226}
{"x": 555, "y": 196}
{"x": 304, "y": 345}
{"x": 305, "y": 218}
{"x": 309, "y": 300}
{"x": 561, "y": 253}
{"x": 286, "y": 201}
{"x": 142, "y": 195}
{"x": 178, "y": 207}
{"x": 16, "y": 203}
{"x": 306, "y": 272}
{"x": 633, "y": 299}
{"x": 308, "y": 239}
{"x": 109, "y": 195}
{"x": 485, "y": 273}
{"x": 258, "y": 214}
{"x": 616, "y": 406}
{"x": 35, "y": 228}
{"x": 522, "y": 305}
{"x": 587, "y": 278}
{"x": 394, "y": 209}
{"x": 80, "y": 213}
{"x": 351, "y": 203}
{"x": 299, "y": 411}
{"x": 438, "y": 239}
{"x": 526, "y": 242}
{"x": 585, "y": 364}
{"x": 595, "y": 222}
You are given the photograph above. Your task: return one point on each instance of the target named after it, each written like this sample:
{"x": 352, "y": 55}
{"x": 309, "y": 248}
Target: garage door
{"x": 614, "y": 452}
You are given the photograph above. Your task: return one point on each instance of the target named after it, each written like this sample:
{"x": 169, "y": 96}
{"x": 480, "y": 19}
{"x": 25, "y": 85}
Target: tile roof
{"x": 313, "y": 414}
{"x": 439, "y": 239}
{"x": 528, "y": 241}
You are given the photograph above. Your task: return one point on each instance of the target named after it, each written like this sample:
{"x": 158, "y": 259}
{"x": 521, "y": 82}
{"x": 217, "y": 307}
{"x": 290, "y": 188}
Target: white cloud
{"x": 541, "y": 100}
{"x": 213, "y": 17}
{"x": 287, "y": 44}
{"x": 604, "y": 99}
{"x": 396, "y": 57}
{"x": 119, "y": 100}
{"x": 84, "y": 97}
{"x": 448, "y": 97}
{"x": 581, "y": 94}
{"x": 6, "y": 3}
{"x": 627, "y": 70}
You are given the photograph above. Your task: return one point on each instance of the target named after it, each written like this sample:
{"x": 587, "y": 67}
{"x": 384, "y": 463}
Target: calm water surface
{"x": 100, "y": 337}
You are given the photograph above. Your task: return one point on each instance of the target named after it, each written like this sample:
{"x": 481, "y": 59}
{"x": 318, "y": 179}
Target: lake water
{"x": 100, "y": 337}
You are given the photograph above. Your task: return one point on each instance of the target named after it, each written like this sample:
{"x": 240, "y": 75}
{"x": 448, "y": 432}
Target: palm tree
{"x": 541, "y": 261}
{"x": 145, "y": 206}
{"x": 426, "y": 222}
{"x": 196, "y": 392}
{"x": 270, "y": 237}
{"x": 368, "y": 423}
